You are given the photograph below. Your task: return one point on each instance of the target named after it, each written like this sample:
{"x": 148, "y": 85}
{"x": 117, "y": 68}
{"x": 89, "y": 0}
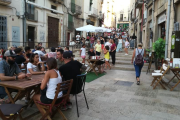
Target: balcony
{"x": 75, "y": 9}
{"x": 58, "y": 1}
{"x": 32, "y": 16}
{"x": 5, "y": 2}
{"x": 101, "y": 16}
{"x": 139, "y": 3}
{"x": 93, "y": 13}
{"x": 71, "y": 25}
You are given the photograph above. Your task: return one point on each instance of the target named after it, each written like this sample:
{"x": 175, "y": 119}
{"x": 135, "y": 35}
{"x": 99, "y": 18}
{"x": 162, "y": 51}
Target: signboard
{"x": 161, "y": 18}
{"x": 15, "y": 36}
{"x": 173, "y": 37}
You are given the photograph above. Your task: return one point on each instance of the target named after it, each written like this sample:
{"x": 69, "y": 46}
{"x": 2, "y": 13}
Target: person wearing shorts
{"x": 102, "y": 43}
{"x": 107, "y": 57}
{"x": 83, "y": 53}
{"x": 98, "y": 48}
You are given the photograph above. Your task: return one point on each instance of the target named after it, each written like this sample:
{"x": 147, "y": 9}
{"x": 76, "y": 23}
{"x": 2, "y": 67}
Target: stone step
{"x": 125, "y": 62}
{"x": 129, "y": 68}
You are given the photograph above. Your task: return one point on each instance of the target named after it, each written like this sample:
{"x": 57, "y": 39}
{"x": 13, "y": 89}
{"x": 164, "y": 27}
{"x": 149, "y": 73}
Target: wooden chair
{"x": 159, "y": 76}
{"x": 10, "y": 111}
{"x": 57, "y": 103}
{"x": 80, "y": 85}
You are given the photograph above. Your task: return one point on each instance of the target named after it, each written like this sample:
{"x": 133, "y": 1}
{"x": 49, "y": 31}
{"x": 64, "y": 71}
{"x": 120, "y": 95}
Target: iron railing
{"x": 32, "y": 16}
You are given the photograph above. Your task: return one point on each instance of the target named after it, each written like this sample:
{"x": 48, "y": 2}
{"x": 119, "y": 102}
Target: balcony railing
{"x": 58, "y": 1}
{"x": 5, "y": 2}
{"x": 93, "y": 12}
{"x": 75, "y": 9}
{"x": 70, "y": 25}
{"x": 139, "y": 3}
{"x": 32, "y": 16}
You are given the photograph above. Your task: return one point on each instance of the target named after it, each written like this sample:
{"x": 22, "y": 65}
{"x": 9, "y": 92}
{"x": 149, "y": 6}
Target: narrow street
{"x": 115, "y": 96}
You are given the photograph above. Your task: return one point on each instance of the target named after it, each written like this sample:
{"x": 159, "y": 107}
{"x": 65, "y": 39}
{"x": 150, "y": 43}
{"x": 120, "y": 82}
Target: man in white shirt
{"x": 78, "y": 37}
{"x": 109, "y": 44}
{"x": 40, "y": 53}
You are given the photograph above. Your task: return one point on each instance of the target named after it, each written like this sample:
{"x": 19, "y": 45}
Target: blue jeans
{"x": 138, "y": 69}
{"x": 92, "y": 45}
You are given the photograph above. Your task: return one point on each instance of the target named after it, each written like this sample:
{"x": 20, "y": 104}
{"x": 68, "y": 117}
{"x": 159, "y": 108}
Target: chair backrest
{"x": 64, "y": 86}
{"x": 165, "y": 69}
{"x": 80, "y": 83}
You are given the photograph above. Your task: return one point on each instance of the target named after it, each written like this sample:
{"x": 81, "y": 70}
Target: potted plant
{"x": 159, "y": 48}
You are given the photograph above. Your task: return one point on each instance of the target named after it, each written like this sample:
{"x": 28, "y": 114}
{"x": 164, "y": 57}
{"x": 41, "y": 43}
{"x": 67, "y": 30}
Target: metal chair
{"x": 80, "y": 85}
{"x": 10, "y": 111}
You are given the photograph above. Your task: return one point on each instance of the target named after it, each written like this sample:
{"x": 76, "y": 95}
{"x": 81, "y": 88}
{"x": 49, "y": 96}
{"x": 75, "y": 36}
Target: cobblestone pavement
{"x": 110, "y": 99}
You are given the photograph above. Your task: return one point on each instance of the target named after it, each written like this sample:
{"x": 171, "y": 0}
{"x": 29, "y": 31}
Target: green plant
{"x": 148, "y": 50}
{"x": 159, "y": 48}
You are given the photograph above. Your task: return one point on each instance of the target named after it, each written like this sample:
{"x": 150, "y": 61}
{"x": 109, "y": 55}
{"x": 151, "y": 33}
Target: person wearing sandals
{"x": 138, "y": 51}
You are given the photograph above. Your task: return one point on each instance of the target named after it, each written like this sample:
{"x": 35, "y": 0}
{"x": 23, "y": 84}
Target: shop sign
{"x": 161, "y": 18}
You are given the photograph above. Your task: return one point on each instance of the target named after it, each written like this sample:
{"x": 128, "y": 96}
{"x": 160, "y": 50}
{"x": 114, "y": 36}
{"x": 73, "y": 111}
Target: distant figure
{"x": 52, "y": 54}
{"x": 126, "y": 46}
{"x": 119, "y": 46}
{"x": 83, "y": 53}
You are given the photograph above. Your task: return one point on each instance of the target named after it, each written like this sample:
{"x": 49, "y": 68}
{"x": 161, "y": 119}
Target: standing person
{"x": 138, "y": 53}
{"x": 34, "y": 66}
{"x": 126, "y": 46}
{"x": 113, "y": 52}
{"x": 119, "y": 47}
{"x": 35, "y": 48}
{"x": 107, "y": 57}
{"x": 43, "y": 50}
{"x": 98, "y": 48}
{"x": 78, "y": 38}
{"x": 92, "y": 40}
{"x": 83, "y": 53}
{"x": 28, "y": 52}
{"x": 49, "y": 84}
{"x": 116, "y": 40}
{"x": 102, "y": 43}
{"x": 40, "y": 44}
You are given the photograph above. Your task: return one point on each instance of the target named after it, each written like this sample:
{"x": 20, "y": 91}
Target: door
{"x": 3, "y": 32}
{"x": 31, "y": 36}
{"x": 53, "y": 32}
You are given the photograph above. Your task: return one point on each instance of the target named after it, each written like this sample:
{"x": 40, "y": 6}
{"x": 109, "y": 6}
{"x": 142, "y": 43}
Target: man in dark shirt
{"x": 91, "y": 53}
{"x": 9, "y": 70}
{"x": 19, "y": 56}
{"x": 28, "y": 52}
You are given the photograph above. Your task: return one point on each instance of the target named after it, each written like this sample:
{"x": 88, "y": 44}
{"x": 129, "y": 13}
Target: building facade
{"x": 149, "y": 21}
{"x": 52, "y": 22}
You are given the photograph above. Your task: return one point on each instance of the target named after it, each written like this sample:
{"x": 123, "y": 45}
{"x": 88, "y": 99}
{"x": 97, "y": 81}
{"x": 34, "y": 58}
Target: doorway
{"x": 53, "y": 32}
{"x": 31, "y": 36}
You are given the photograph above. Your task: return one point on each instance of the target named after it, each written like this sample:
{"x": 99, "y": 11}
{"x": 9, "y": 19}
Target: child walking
{"x": 83, "y": 53}
{"x": 107, "y": 57}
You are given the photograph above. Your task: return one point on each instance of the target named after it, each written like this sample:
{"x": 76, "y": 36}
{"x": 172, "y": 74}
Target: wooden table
{"x": 176, "y": 72}
{"x": 93, "y": 65}
{"x": 23, "y": 87}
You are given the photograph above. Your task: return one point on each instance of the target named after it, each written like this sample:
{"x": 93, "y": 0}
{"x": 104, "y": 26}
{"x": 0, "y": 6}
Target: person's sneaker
{"x": 64, "y": 107}
{"x": 69, "y": 105}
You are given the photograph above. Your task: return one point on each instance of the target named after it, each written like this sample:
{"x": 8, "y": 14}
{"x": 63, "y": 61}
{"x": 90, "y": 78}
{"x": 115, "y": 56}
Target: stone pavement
{"x": 110, "y": 99}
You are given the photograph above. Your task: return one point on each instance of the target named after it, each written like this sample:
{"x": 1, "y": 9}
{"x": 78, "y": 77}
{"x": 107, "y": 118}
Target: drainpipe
{"x": 151, "y": 40}
{"x": 167, "y": 28}
{"x": 24, "y": 24}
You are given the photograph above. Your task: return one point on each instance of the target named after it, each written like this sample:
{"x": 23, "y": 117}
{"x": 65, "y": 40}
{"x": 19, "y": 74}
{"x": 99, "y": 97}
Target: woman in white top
{"x": 49, "y": 83}
{"x": 119, "y": 46}
{"x": 34, "y": 66}
{"x": 126, "y": 46}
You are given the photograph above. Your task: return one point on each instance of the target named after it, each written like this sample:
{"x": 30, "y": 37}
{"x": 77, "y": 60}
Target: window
{"x": 90, "y": 6}
{"x": 73, "y": 7}
{"x": 31, "y": 10}
{"x": 54, "y": 8}
{"x": 150, "y": 12}
{"x": 121, "y": 17}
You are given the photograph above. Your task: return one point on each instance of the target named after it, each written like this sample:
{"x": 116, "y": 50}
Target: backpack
{"x": 139, "y": 58}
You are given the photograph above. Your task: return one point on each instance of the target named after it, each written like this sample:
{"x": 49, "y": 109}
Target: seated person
{"x": 8, "y": 70}
{"x": 40, "y": 53}
{"x": 34, "y": 66}
{"x": 20, "y": 57}
{"x": 59, "y": 59}
{"x": 28, "y": 52}
{"x": 52, "y": 53}
{"x": 100, "y": 63}
{"x": 49, "y": 84}
{"x": 70, "y": 70}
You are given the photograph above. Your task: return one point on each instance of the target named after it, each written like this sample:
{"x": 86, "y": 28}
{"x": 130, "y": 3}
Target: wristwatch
{"x": 16, "y": 77}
